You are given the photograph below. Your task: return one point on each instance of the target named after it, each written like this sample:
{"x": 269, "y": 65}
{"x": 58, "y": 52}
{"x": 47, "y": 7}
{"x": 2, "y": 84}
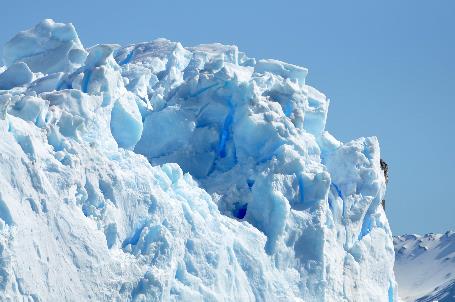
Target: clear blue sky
{"x": 388, "y": 67}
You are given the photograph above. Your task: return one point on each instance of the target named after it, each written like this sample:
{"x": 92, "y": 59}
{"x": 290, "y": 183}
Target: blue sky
{"x": 388, "y": 67}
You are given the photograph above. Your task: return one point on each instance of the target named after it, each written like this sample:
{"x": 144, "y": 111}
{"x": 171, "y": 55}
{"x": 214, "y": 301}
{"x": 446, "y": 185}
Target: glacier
{"x": 157, "y": 172}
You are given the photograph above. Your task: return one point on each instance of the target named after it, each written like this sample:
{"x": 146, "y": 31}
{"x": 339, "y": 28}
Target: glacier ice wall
{"x": 155, "y": 172}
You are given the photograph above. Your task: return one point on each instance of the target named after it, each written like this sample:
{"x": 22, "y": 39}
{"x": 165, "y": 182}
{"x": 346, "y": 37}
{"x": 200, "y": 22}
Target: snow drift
{"x": 155, "y": 172}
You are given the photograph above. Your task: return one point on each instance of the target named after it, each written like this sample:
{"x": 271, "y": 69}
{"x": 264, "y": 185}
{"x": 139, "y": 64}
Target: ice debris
{"x": 157, "y": 172}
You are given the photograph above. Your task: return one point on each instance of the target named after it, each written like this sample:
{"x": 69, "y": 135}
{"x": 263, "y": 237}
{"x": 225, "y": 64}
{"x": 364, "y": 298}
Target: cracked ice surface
{"x": 157, "y": 172}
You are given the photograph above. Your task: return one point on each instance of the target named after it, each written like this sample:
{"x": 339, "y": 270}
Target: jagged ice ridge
{"x": 157, "y": 172}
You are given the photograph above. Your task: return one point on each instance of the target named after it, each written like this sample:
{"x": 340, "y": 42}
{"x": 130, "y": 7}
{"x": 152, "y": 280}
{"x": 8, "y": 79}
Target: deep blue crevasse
{"x": 366, "y": 226}
{"x": 240, "y": 210}
{"x": 225, "y": 132}
{"x": 86, "y": 80}
{"x": 133, "y": 240}
{"x": 128, "y": 58}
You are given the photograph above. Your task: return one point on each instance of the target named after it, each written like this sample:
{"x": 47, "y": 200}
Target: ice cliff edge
{"x": 157, "y": 172}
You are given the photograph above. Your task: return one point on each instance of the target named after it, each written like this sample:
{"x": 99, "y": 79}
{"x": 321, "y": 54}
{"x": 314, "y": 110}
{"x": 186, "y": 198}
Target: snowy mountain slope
{"x": 425, "y": 267}
{"x": 154, "y": 172}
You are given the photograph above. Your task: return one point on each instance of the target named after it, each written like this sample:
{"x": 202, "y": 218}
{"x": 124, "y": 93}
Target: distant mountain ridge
{"x": 425, "y": 267}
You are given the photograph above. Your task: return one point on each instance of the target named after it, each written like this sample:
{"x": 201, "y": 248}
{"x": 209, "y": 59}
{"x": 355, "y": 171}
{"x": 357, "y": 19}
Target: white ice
{"x": 155, "y": 172}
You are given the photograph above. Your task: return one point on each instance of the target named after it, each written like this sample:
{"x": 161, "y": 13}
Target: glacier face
{"x": 155, "y": 172}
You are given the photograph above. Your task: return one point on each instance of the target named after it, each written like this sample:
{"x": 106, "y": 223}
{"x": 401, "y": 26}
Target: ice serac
{"x": 157, "y": 172}
{"x": 48, "y": 47}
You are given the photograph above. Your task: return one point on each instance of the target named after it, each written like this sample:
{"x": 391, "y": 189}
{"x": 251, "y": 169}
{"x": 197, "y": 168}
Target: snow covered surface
{"x": 157, "y": 172}
{"x": 425, "y": 267}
